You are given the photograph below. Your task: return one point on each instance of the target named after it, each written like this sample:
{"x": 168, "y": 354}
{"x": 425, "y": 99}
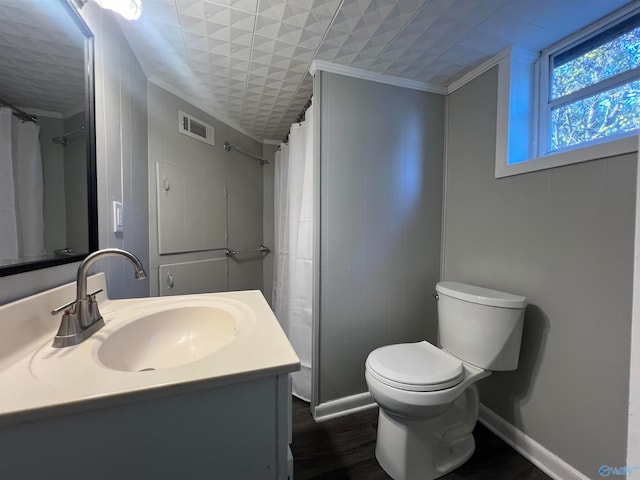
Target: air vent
{"x": 195, "y": 128}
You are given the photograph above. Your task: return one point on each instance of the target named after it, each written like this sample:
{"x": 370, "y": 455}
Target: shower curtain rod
{"x": 24, "y": 116}
{"x": 228, "y": 146}
{"x": 64, "y": 138}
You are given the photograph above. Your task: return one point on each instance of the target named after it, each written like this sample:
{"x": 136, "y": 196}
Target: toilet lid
{"x": 418, "y": 367}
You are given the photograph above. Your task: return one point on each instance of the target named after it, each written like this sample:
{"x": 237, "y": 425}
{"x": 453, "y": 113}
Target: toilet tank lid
{"x": 481, "y": 295}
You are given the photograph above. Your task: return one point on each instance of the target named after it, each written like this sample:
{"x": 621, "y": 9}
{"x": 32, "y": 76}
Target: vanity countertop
{"x": 37, "y": 380}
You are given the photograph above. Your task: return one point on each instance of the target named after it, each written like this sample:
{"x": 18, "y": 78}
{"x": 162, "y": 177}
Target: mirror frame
{"x": 92, "y": 179}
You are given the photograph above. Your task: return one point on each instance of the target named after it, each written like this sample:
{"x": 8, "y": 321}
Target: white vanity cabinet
{"x": 238, "y": 431}
{"x": 70, "y": 414}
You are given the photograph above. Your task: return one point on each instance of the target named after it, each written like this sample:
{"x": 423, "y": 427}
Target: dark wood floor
{"x": 343, "y": 448}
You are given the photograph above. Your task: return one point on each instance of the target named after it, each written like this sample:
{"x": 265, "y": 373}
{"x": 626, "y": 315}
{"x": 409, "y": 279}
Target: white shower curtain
{"x": 21, "y": 190}
{"x": 293, "y": 270}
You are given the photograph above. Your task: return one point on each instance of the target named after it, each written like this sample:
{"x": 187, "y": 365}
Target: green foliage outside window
{"x": 609, "y": 112}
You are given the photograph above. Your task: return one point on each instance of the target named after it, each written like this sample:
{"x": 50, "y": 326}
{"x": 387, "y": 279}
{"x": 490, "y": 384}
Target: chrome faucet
{"x": 81, "y": 317}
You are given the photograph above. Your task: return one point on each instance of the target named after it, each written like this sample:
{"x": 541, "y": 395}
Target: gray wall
{"x": 121, "y": 148}
{"x": 122, "y": 165}
{"x": 243, "y": 177}
{"x": 381, "y": 153}
{"x": 563, "y": 238}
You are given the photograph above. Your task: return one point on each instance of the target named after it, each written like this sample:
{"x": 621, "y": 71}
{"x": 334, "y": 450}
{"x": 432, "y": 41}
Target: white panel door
{"x": 191, "y": 209}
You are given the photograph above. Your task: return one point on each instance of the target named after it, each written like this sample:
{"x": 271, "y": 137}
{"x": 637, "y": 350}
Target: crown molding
{"x": 192, "y": 101}
{"x": 374, "y": 77}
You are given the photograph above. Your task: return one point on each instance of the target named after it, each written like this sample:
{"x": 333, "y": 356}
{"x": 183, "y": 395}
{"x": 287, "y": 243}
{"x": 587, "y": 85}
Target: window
{"x": 591, "y": 88}
{"x": 576, "y": 101}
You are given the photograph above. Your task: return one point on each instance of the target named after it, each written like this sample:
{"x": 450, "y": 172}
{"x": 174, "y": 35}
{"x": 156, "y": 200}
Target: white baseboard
{"x": 343, "y": 406}
{"x": 526, "y": 446}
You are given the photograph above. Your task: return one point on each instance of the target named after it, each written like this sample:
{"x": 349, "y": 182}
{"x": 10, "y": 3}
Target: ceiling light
{"x": 129, "y": 9}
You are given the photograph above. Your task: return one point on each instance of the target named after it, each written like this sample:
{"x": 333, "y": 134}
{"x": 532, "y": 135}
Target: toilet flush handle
{"x": 435, "y": 296}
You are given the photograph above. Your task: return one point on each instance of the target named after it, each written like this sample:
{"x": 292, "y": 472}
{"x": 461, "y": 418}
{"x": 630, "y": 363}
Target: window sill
{"x": 612, "y": 148}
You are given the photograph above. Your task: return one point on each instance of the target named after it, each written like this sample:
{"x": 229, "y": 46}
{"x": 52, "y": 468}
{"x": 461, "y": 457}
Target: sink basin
{"x": 149, "y": 341}
{"x": 168, "y": 338}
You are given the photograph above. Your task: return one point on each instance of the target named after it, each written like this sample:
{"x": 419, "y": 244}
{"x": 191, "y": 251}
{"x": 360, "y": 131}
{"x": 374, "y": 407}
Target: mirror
{"x": 48, "y": 203}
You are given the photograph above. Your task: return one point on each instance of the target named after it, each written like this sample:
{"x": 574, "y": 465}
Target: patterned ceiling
{"x": 41, "y": 57}
{"x": 246, "y": 62}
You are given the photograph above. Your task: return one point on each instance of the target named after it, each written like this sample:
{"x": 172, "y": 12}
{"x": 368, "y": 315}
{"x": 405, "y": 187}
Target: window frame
{"x": 521, "y": 102}
{"x": 544, "y": 70}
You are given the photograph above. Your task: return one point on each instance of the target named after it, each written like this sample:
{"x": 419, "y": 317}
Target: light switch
{"x": 118, "y": 217}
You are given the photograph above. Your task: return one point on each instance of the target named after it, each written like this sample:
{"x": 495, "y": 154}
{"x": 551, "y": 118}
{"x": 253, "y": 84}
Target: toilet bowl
{"x": 427, "y": 395}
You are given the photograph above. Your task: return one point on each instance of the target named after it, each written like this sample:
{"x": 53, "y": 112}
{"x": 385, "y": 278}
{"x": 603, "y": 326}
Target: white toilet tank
{"x": 480, "y": 326}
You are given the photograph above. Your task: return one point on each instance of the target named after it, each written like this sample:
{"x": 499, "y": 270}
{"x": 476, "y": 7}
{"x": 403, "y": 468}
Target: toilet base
{"x": 416, "y": 449}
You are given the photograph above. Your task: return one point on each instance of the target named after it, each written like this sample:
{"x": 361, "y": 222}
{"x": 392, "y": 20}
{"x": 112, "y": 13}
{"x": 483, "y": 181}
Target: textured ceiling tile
{"x": 214, "y": 59}
{"x": 246, "y": 5}
{"x": 538, "y": 12}
{"x": 397, "y": 69}
{"x": 238, "y": 65}
{"x": 196, "y": 42}
{"x": 250, "y": 58}
{"x": 219, "y": 32}
{"x": 258, "y": 82}
{"x": 193, "y": 25}
{"x": 271, "y": 8}
{"x": 417, "y": 26}
{"x": 442, "y": 35}
{"x": 217, "y": 14}
{"x": 348, "y": 17}
{"x": 325, "y": 8}
{"x": 380, "y": 65}
{"x": 462, "y": 55}
{"x": 268, "y": 71}
{"x": 291, "y": 23}
{"x": 404, "y": 53}
{"x": 515, "y": 30}
{"x": 191, "y": 8}
{"x": 201, "y": 67}
{"x": 378, "y": 18}
{"x": 470, "y": 11}
{"x": 439, "y": 79}
{"x": 486, "y": 43}
{"x": 349, "y": 49}
{"x": 269, "y": 45}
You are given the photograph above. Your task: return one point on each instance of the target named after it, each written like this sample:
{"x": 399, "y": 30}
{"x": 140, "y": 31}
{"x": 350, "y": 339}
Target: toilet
{"x": 427, "y": 395}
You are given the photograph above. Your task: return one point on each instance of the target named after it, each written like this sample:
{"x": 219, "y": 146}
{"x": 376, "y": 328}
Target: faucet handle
{"x": 94, "y": 313}
{"x": 61, "y": 308}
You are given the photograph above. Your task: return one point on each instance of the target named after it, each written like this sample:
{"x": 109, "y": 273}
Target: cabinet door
{"x": 191, "y": 209}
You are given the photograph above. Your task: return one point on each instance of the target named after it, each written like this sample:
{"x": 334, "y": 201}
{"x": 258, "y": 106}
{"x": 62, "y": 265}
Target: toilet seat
{"x": 416, "y": 367}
